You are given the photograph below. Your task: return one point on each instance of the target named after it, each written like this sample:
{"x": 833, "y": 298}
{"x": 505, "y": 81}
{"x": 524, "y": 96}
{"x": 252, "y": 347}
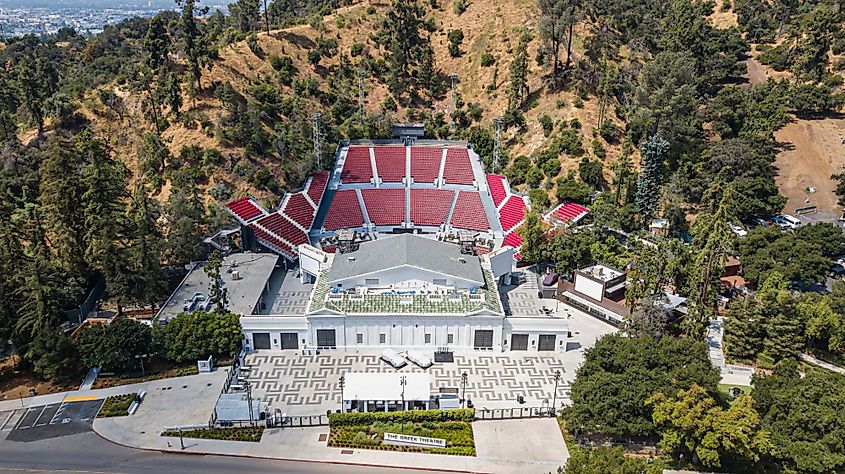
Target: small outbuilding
{"x": 373, "y": 392}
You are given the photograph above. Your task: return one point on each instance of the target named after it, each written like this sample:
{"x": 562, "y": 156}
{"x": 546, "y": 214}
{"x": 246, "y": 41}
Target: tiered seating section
{"x": 496, "y": 182}
{"x": 425, "y": 163}
{"x": 430, "y": 206}
{"x": 345, "y": 211}
{"x": 272, "y": 242}
{"x": 458, "y": 169}
{"x": 512, "y": 212}
{"x": 244, "y": 209}
{"x": 513, "y": 239}
{"x": 357, "y": 167}
{"x": 469, "y": 212}
{"x": 317, "y": 187}
{"x": 566, "y": 212}
{"x": 299, "y": 210}
{"x": 385, "y": 206}
{"x": 390, "y": 163}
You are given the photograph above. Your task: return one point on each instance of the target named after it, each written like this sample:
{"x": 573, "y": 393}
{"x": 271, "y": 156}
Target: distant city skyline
{"x": 46, "y": 17}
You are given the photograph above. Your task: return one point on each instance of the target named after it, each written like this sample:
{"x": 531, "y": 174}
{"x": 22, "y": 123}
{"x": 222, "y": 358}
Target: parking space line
{"x": 58, "y": 414}
{"x": 20, "y": 421}
{"x": 6, "y": 421}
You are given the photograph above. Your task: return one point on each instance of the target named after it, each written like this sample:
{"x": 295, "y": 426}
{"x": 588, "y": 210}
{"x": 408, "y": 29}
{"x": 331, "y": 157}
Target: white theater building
{"x": 399, "y": 291}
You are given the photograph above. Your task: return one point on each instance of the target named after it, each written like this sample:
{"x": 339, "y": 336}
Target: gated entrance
{"x": 546, "y": 342}
{"x": 519, "y": 342}
{"x": 290, "y": 340}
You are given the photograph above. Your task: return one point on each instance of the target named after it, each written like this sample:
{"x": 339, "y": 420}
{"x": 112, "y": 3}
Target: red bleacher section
{"x": 458, "y": 169}
{"x": 469, "y": 212}
{"x": 425, "y": 163}
{"x": 244, "y": 209}
{"x": 512, "y": 212}
{"x": 284, "y": 228}
{"x": 272, "y": 241}
{"x": 513, "y": 239}
{"x": 390, "y": 163}
{"x": 430, "y": 206}
{"x": 299, "y": 210}
{"x": 496, "y": 183}
{"x": 357, "y": 168}
{"x": 345, "y": 211}
{"x": 317, "y": 187}
{"x": 385, "y": 206}
{"x": 567, "y": 212}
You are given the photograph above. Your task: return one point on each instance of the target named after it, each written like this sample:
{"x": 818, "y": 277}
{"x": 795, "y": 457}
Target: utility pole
{"x": 361, "y": 74}
{"x": 318, "y": 159}
{"x": 266, "y": 18}
{"x": 554, "y": 396}
{"x": 497, "y": 150}
{"x": 454, "y": 78}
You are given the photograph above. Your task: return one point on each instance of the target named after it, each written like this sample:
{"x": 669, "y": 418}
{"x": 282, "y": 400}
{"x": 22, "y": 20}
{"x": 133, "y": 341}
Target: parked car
{"x": 785, "y": 221}
{"x": 760, "y": 221}
{"x": 393, "y": 358}
{"x": 191, "y": 304}
{"x": 417, "y": 357}
{"x": 738, "y": 229}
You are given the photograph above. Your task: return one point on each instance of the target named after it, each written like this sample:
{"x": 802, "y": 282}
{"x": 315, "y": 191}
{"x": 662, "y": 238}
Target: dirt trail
{"x": 814, "y": 151}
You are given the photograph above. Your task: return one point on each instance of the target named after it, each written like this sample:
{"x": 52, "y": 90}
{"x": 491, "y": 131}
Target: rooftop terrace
{"x": 461, "y": 302}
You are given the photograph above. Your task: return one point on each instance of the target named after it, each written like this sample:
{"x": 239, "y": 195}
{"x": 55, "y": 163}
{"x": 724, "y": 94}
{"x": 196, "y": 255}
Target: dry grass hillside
{"x": 489, "y": 26}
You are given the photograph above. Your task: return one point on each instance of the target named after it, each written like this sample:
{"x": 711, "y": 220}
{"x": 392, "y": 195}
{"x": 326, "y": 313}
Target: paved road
{"x": 88, "y": 453}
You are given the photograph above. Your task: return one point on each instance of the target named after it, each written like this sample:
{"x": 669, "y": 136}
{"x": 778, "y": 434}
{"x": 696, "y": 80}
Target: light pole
{"x": 181, "y": 441}
{"x": 463, "y": 390}
{"x": 554, "y": 396}
{"x": 403, "y": 380}
{"x": 342, "y": 407}
{"x": 141, "y": 358}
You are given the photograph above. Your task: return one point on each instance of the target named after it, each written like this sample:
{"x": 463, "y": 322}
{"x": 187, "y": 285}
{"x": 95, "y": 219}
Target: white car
{"x": 738, "y": 229}
{"x": 791, "y": 221}
{"x": 393, "y": 358}
{"x": 419, "y": 358}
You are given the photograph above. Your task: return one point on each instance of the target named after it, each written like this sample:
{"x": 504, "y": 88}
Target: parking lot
{"x": 73, "y": 415}
{"x": 308, "y": 385}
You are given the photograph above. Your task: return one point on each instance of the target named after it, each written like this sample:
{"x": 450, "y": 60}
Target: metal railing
{"x": 513, "y": 413}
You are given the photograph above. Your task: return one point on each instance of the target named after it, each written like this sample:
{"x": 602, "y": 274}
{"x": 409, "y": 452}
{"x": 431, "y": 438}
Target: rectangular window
{"x": 428, "y": 338}
{"x": 326, "y": 339}
{"x": 440, "y": 281}
{"x": 382, "y": 338}
{"x": 483, "y": 339}
{"x": 360, "y": 338}
{"x": 450, "y": 338}
{"x": 371, "y": 281}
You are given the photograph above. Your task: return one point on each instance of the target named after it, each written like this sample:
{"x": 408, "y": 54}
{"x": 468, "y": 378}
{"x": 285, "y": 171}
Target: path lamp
{"x": 141, "y": 358}
{"x": 342, "y": 407}
{"x": 554, "y": 397}
{"x": 463, "y": 390}
{"x": 403, "y": 380}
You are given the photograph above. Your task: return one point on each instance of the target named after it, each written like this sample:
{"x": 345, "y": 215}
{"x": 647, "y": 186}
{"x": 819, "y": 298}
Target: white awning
{"x": 386, "y": 387}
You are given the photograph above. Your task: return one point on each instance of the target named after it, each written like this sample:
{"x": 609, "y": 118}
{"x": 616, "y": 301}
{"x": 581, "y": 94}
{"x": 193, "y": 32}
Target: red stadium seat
{"x": 469, "y": 212}
{"x": 496, "y": 183}
{"x": 512, "y": 212}
{"x": 458, "y": 169}
{"x": 425, "y": 163}
{"x": 390, "y": 163}
{"x": 385, "y": 206}
{"x": 344, "y": 212}
{"x": 430, "y": 206}
{"x": 357, "y": 167}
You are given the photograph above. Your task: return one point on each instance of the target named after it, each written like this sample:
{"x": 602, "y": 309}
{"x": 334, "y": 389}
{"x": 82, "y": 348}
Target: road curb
{"x": 273, "y": 458}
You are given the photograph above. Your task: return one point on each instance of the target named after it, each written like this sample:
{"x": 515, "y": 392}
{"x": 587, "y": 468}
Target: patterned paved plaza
{"x": 302, "y": 385}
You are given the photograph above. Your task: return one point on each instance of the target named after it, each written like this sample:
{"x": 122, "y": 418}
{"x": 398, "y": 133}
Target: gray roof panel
{"x": 407, "y": 249}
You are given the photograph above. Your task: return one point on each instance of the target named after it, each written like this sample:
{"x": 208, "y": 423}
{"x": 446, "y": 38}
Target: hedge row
{"x": 451, "y": 450}
{"x": 411, "y": 416}
{"x": 252, "y": 434}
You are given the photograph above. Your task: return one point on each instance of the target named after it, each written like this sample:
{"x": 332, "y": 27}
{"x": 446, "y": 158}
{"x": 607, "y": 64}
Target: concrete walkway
{"x": 827, "y": 365}
{"x": 525, "y": 446}
{"x": 90, "y": 378}
{"x": 731, "y": 374}
{"x": 216, "y": 378}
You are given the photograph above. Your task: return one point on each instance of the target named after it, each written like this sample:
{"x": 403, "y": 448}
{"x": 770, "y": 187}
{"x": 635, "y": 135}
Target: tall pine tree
{"x": 654, "y": 150}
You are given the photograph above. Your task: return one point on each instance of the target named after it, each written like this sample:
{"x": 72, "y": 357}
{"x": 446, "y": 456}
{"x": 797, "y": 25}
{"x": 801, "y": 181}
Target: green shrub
{"x": 116, "y": 405}
{"x": 487, "y": 60}
{"x": 456, "y": 37}
{"x": 546, "y": 123}
{"x": 357, "y": 49}
{"x": 459, "y": 6}
{"x": 578, "y": 103}
{"x": 252, "y": 434}
{"x": 413, "y": 416}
